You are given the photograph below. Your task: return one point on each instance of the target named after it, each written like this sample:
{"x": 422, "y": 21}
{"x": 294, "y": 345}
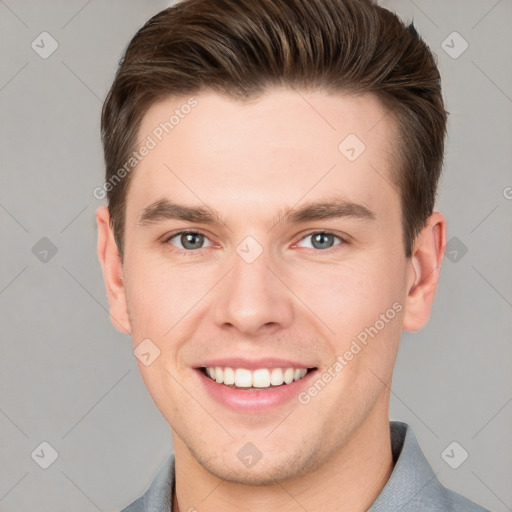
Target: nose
{"x": 253, "y": 299}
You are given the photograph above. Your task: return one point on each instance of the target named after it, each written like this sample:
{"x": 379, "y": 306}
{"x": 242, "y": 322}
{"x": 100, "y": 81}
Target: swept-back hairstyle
{"x": 243, "y": 48}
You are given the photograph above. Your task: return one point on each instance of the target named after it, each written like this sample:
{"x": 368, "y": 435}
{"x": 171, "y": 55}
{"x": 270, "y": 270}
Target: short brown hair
{"x": 243, "y": 48}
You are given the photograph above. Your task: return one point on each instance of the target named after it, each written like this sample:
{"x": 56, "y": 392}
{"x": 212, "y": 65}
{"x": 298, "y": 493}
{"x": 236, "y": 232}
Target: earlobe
{"x": 423, "y": 276}
{"x": 112, "y": 267}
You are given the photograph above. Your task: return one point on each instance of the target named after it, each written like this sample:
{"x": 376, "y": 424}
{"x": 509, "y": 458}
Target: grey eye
{"x": 322, "y": 240}
{"x": 188, "y": 240}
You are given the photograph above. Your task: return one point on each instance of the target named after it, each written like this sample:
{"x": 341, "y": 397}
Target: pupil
{"x": 322, "y": 240}
{"x": 191, "y": 240}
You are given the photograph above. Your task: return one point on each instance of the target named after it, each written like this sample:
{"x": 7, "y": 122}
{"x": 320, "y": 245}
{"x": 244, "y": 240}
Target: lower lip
{"x": 254, "y": 401}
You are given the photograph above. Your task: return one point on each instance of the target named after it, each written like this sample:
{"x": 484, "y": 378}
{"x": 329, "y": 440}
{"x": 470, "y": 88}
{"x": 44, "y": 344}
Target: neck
{"x": 350, "y": 480}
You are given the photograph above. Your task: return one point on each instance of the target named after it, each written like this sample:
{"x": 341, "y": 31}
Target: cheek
{"x": 350, "y": 296}
{"x": 159, "y": 295}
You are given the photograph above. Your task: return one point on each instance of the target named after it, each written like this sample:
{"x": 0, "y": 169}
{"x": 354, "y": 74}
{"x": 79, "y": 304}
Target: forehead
{"x": 266, "y": 153}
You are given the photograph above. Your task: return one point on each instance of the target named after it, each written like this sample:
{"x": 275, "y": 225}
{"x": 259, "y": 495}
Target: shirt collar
{"x": 412, "y": 481}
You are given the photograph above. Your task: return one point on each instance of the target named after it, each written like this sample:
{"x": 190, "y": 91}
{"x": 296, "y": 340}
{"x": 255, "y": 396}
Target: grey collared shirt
{"x": 411, "y": 487}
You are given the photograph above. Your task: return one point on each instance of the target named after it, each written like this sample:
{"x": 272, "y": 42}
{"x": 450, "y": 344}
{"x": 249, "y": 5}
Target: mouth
{"x": 257, "y": 391}
{"x": 254, "y": 385}
{"x": 260, "y": 379}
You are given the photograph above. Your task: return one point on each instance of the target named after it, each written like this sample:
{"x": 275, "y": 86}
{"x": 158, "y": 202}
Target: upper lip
{"x": 253, "y": 364}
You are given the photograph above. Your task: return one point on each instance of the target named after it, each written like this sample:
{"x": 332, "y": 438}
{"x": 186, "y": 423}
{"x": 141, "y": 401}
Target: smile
{"x": 261, "y": 378}
{"x": 254, "y": 385}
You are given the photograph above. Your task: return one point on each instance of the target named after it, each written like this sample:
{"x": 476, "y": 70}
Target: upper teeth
{"x": 261, "y": 378}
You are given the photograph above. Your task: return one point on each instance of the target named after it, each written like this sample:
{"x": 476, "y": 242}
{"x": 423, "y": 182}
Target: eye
{"x": 322, "y": 240}
{"x": 187, "y": 240}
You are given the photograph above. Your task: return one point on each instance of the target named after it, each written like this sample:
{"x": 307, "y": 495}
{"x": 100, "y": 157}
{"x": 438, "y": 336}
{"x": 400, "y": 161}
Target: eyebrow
{"x": 323, "y": 210}
{"x": 164, "y": 209}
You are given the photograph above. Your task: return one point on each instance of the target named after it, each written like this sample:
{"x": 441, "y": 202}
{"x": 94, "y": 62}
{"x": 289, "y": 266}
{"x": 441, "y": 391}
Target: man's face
{"x": 259, "y": 289}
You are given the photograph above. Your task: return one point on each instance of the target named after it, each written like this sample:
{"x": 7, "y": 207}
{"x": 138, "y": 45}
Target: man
{"x": 271, "y": 176}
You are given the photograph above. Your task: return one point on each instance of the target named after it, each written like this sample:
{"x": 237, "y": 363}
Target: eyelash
{"x": 192, "y": 252}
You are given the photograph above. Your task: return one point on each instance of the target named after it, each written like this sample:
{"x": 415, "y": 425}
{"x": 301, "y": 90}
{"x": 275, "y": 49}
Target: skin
{"x": 249, "y": 162}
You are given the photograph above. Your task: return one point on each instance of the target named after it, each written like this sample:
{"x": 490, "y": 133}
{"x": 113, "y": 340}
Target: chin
{"x": 266, "y": 471}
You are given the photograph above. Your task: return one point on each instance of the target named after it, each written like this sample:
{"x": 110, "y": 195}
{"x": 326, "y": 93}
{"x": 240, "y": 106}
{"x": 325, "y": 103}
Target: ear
{"x": 423, "y": 272}
{"x": 112, "y": 267}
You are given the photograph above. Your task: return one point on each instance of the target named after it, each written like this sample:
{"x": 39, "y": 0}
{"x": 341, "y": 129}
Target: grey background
{"x": 70, "y": 379}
